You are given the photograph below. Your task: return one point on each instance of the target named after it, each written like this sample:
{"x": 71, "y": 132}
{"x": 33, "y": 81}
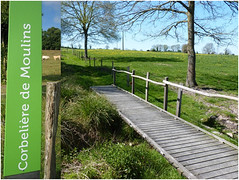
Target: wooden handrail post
{"x": 51, "y": 121}
{"x": 133, "y": 73}
{"x": 147, "y": 88}
{"x": 128, "y": 69}
{"x": 179, "y": 101}
{"x": 89, "y": 61}
{"x": 112, "y": 68}
{"x": 113, "y": 73}
{"x": 165, "y": 101}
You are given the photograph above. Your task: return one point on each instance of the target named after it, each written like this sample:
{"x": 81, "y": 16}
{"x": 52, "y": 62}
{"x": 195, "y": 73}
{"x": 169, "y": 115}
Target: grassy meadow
{"x": 83, "y": 112}
{"x": 217, "y": 73}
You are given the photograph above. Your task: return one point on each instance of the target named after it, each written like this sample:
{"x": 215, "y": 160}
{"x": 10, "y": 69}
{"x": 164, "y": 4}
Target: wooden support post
{"x": 113, "y": 73}
{"x": 51, "y": 120}
{"x": 128, "y": 69}
{"x": 133, "y": 73}
{"x": 89, "y": 61}
{"x": 112, "y": 68}
{"x": 165, "y": 101}
{"x": 101, "y": 65}
{"x": 179, "y": 101}
{"x": 114, "y": 77}
{"x": 147, "y": 88}
{"x": 94, "y": 61}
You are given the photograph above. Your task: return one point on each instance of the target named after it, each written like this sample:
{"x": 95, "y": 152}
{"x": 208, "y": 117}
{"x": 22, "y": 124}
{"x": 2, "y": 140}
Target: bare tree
{"x": 208, "y": 49}
{"x": 227, "y": 51}
{"x": 165, "y": 48}
{"x": 176, "y": 15}
{"x": 88, "y": 19}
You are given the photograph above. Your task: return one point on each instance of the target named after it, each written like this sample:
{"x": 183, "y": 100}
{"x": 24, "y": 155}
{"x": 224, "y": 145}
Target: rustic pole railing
{"x": 113, "y": 68}
{"x": 165, "y": 83}
{"x": 179, "y": 102}
{"x": 113, "y": 73}
{"x": 200, "y": 92}
{"x": 165, "y": 100}
{"x": 147, "y": 87}
{"x": 128, "y": 69}
{"x": 51, "y": 122}
{"x": 133, "y": 73}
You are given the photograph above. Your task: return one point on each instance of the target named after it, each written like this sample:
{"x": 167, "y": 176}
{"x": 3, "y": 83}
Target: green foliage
{"x": 51, "y": 39}
{"x": 117, "y": 161}
{"x": 86, "y": 117}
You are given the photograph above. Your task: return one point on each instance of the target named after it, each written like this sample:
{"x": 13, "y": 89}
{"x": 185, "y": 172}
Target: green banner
{"x": 22, "y": 150}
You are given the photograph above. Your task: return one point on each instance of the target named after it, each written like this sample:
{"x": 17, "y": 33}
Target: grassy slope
{"x": 218, "y": 72}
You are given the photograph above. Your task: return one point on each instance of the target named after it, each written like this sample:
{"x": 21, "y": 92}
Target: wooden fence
{"x": 165, "y": 83}
{"x": 51, "y": 121}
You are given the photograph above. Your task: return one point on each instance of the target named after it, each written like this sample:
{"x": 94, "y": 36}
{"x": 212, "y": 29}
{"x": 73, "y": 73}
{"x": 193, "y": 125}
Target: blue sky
{"x": 51, "y": 14}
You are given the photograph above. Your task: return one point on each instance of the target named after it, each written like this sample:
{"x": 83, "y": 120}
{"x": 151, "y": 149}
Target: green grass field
{"x": 216, "y": 73}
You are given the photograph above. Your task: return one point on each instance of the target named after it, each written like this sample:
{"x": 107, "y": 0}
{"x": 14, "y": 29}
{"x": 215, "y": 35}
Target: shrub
{"x": 86, "y": 118}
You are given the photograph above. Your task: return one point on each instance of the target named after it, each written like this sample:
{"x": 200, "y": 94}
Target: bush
{"x": 86, "y": 118}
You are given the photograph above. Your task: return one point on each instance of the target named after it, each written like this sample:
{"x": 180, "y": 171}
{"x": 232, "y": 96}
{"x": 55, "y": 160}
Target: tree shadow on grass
{"x": 222, "y": 83}
{"x": 86, "y": 76}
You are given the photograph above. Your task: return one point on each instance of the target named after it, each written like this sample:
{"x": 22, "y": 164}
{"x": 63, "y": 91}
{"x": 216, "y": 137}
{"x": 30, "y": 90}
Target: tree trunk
{"x": 86, "y": 41}
{"x": 191, "y": 74}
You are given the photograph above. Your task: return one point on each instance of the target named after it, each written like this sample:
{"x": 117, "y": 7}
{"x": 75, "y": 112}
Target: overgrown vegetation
{"x": 96, "y": 142}
{"x": 118, "y": 161}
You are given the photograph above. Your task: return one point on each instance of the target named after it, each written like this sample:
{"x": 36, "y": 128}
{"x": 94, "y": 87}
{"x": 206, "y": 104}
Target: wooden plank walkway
{"x": 196, "y": 153}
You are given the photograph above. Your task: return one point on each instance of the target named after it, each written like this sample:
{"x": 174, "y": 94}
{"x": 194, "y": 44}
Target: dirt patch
{"x": 226, "y": 114}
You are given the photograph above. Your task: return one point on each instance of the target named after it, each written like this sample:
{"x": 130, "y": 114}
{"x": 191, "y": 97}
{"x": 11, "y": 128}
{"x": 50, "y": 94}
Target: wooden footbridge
{"x": 196, "y": 153}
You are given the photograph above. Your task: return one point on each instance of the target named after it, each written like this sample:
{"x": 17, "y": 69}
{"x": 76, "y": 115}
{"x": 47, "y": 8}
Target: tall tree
{"x": 51, "y": 39}
{"x": 92, "y": 20}
{"x": 175, "y": 15}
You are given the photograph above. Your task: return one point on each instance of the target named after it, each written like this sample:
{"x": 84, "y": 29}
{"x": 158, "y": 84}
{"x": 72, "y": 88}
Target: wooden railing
{"x": 165, "y": 83}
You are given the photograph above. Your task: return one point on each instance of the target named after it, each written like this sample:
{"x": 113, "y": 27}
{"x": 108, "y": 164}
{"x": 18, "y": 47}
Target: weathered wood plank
{"x": 203, "y": 154}
{"x": 211, "y": 162}
{"x": 180, "y": 140}
{"x": 169, "y": 127}
{"x": 232, "y": 175}
{"x": 219, "y": 173}
{"x": 214, "y": 167}
{"x": 193, "y": 143}
{"x": 176, "y": 137}
{"x": 208, "y": 158}
{"x": 204, "y": 148}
